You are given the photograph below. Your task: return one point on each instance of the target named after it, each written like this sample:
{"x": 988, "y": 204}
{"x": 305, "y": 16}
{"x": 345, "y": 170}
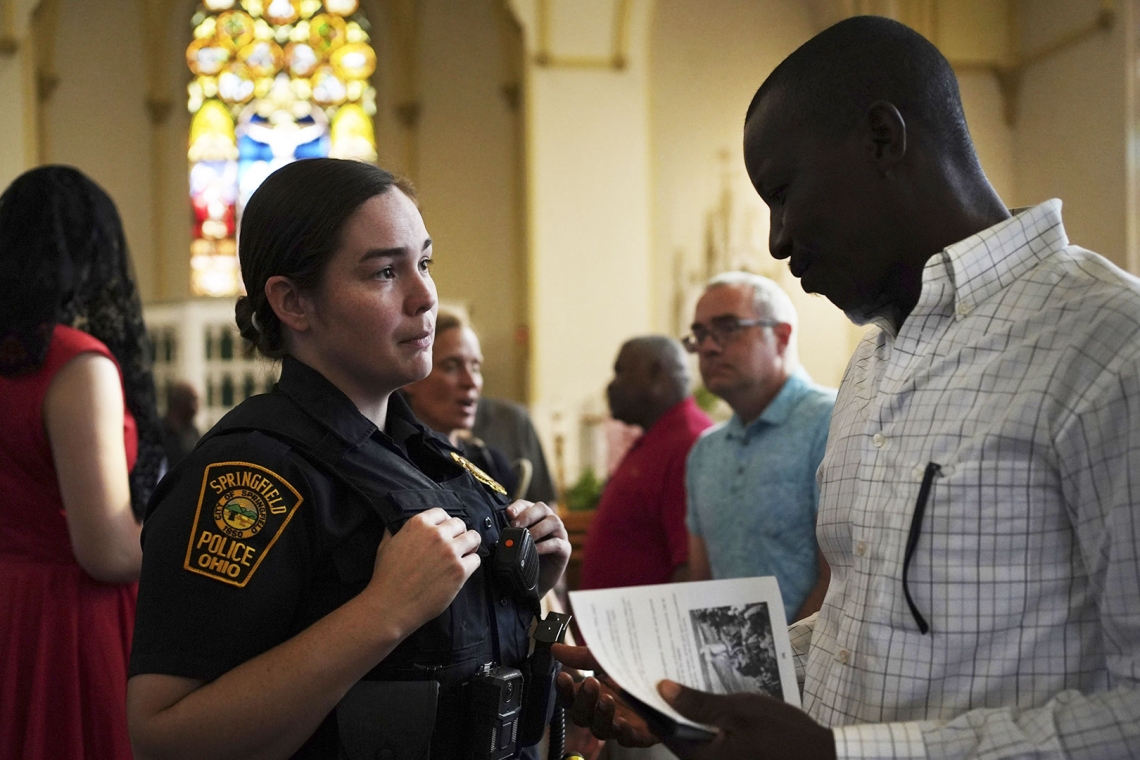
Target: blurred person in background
{"x": 80, "y": 451}
{"x": 638, "y": 536}
{"x": 179, "y": 434}
{"x": 446, "y": 400}
{"x": 751, "y": 481}
{"x": 507, "y": 427}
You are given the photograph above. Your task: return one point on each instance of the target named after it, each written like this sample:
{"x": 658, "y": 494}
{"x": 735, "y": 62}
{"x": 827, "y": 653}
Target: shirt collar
{"x": 968, "y": 272}
{"x": 666, "y": 421}
{"x": 328, "y": 405}
{"x": 403, "y": 423}
{"x": 778, "y": 410}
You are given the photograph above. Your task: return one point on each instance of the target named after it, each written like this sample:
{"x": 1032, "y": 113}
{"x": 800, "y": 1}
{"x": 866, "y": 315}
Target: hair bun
{"x": 246, "y": 319}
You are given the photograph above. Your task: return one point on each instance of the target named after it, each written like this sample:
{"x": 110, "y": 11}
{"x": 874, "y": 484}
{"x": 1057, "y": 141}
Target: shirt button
{"x": 502, "y": 601}
{"x": 962, "y": 309}
{"x": 486, "y": 522}
{"x": 860, "y": 548}
{"x": 843, "y": 656}
{"x": 879, "y": 440}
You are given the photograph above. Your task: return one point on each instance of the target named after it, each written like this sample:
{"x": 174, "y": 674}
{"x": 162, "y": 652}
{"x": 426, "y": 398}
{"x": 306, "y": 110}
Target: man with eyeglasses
{"x": 751, "y": 484}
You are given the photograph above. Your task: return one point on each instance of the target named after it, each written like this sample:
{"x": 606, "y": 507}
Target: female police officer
{"x": 320, "y": 540}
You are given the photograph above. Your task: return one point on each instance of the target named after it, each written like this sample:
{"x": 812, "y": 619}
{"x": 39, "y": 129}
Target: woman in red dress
{"x": 80, "y": 451}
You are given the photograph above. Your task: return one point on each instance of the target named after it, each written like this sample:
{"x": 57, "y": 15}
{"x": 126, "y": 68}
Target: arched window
{"x": 274, "y": 81}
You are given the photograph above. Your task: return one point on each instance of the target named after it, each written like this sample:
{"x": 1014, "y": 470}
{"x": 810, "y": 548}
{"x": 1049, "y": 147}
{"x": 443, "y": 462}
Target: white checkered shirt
{"x": 1018, "y": 373}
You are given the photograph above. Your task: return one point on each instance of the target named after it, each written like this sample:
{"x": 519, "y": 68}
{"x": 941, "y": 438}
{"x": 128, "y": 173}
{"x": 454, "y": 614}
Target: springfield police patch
{"x": 242, "y": 510}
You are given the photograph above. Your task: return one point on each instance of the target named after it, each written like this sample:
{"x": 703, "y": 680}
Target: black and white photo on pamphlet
{"x": 719, "y": 636}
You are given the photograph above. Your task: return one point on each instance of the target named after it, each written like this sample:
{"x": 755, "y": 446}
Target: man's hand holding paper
{"x": 749, "y": 725}
{"x": 595, "y": 703}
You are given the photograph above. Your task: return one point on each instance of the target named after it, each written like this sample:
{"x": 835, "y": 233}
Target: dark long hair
{"x": 291, "y": 227}
{"x": 64, "y": 260}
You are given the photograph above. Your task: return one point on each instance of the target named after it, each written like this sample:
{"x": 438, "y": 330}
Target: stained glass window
{"x": 274, "y": 81}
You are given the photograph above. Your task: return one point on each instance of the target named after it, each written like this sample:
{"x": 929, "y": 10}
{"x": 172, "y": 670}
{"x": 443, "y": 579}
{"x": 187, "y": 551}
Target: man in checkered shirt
{"x": 980, "y": 494}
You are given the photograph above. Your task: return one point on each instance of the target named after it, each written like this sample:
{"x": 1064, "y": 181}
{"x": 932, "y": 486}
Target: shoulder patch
{"x": 242, "y": 510}
{"x": 479, "y": 475}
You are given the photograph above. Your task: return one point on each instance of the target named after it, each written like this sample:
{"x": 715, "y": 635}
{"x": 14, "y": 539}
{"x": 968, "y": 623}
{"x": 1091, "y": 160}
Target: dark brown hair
{"x": 291, "y": 227}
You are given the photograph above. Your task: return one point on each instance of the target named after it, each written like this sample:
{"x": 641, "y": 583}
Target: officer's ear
{"x": 293, "y": 308}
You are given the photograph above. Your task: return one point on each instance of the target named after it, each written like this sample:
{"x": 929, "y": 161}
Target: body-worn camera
{"x": 494, "y": 701}
{"x": 500, "y": 720}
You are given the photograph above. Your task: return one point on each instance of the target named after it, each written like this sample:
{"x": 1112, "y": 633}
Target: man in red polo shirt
{"x": 638, "y": 535}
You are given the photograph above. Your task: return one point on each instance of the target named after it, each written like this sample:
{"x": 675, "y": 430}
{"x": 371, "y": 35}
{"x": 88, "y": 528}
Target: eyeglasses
{"x": 933, "y": 470}
{"x": 721, "y": 330}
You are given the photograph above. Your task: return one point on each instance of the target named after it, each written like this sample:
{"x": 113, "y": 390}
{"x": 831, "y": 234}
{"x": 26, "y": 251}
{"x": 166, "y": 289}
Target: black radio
{"x": 516, "y": 564}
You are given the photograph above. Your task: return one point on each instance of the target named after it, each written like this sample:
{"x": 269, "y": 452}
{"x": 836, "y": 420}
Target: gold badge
{"x": 242, "y": 510}
{"x": 481, "y": 476}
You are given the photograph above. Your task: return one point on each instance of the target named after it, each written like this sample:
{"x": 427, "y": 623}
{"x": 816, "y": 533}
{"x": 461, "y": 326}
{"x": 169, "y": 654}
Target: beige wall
{"x": 620, "y": 169}
{"x": 17, "y": 89}
{"x": 993, "y": 137}
{"x": 469, "y": 177}
{"x": 17, "y": 128}
{"x": 96, "y": 119}
{"x": 706, "y": 67}
{"x": 588, "y": 175}
{"x": 175, "y": 184}
{"x": 1071, "y": 133}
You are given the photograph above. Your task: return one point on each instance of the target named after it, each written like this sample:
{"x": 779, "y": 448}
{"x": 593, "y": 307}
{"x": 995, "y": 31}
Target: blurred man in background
{"x": 638, "y": 536}
{"x": 178, "y": 431}
{"x": 751, "y": 481}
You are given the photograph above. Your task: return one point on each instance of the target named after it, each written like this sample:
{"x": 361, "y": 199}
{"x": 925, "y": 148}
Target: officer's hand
{"x": 752, "y": 727}
{"x": 550, "y": 538}
{"x": 419, "y": 570}
{"x": 594, "y": 703}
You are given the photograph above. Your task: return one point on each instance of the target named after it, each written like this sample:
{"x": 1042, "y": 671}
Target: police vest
{"x": 484, "y": 623}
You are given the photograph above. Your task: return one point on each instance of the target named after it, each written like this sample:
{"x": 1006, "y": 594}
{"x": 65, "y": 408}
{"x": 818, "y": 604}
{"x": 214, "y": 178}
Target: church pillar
{"x": 586, "y": 101}
{"x": 156, "y": 16}
{"x": 18, "y": 90}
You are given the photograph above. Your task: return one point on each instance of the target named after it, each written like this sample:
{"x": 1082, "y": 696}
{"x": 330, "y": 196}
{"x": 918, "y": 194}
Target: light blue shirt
{"x": 752, "y": 492}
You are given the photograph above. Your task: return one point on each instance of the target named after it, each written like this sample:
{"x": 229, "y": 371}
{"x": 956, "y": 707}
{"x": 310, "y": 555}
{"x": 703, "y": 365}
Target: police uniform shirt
{"x": 249, "y": 541}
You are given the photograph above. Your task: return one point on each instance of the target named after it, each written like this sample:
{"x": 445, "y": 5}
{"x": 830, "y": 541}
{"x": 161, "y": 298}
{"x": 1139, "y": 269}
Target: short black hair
{"x": 669, "y": 355}
{"x": 831, "y": 80}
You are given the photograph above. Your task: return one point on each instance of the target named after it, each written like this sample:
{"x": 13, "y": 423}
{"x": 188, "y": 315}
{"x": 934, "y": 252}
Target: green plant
{"x": 585, "y": 493}
{"x": 705, "y": 399}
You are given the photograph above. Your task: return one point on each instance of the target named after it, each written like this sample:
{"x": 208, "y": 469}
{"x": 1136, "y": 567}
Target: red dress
{"x": 65, "y": 638}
